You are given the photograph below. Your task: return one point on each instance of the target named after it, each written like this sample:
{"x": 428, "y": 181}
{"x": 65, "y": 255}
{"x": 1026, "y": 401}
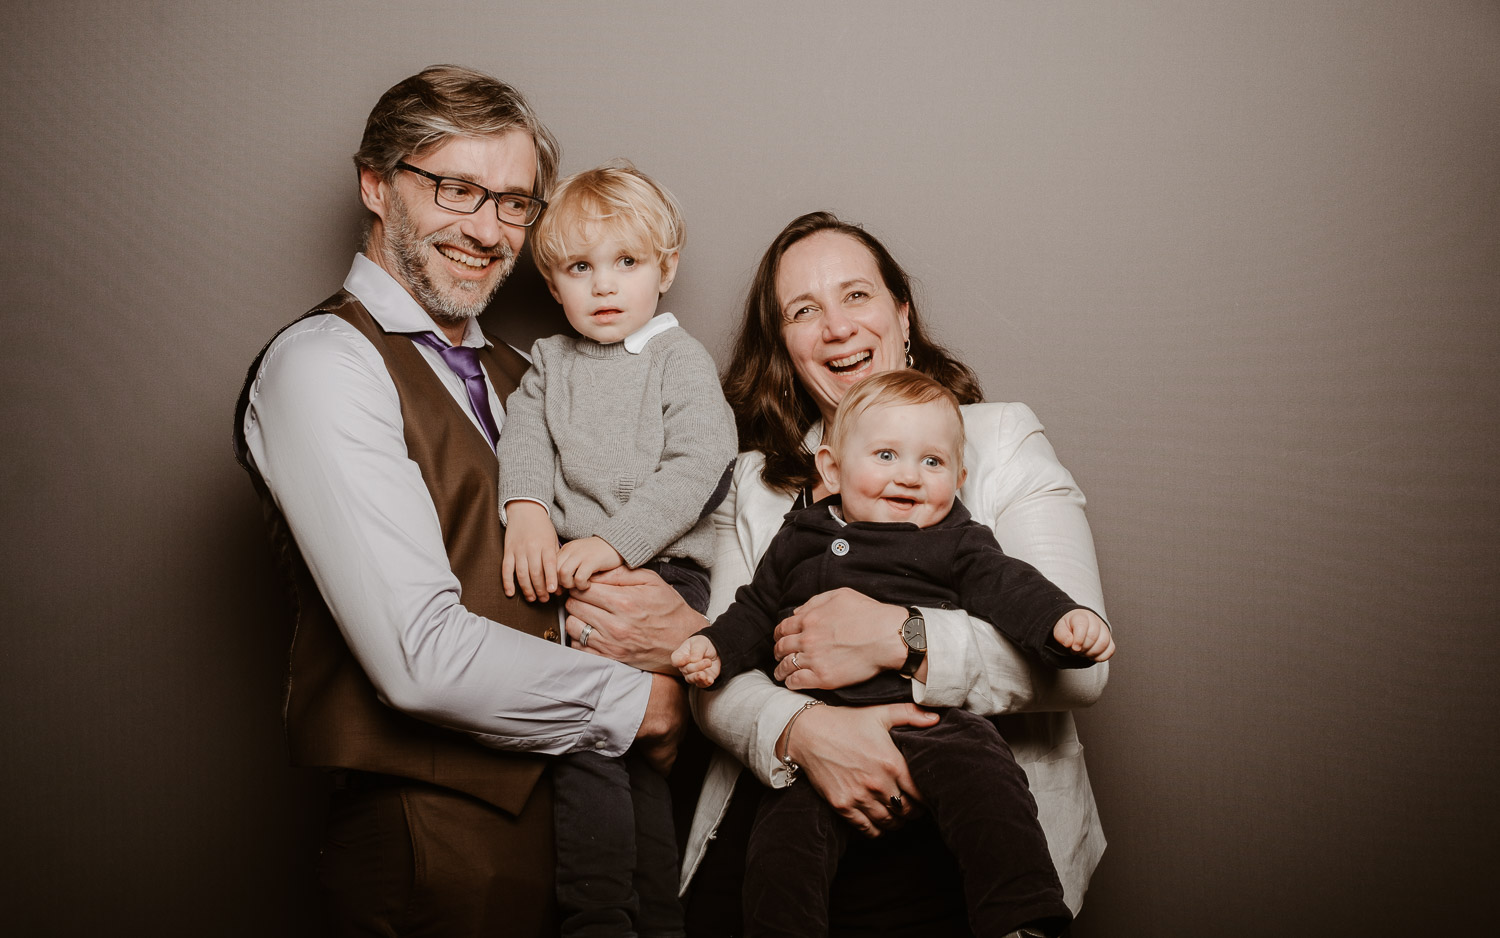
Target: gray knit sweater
{"x": 625, "y": 446}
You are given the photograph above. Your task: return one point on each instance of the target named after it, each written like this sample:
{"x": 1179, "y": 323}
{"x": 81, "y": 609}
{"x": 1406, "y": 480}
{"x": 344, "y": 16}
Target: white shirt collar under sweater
{"x": 654, "y": 327}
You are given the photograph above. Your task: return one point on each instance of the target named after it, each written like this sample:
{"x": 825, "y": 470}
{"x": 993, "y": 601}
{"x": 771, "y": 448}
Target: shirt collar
{"x": 654, "y": 327}
{"x": 395, "y": 309}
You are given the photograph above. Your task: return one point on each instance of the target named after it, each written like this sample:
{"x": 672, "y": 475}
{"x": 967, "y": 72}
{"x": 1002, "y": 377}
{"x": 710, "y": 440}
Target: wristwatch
{"x": 914, "y": 634}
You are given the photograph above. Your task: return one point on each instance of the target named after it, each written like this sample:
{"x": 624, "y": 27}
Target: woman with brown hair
{"x": 829, "y": 306}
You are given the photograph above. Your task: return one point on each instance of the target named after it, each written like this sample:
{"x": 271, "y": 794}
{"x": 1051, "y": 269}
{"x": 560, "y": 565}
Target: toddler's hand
{"x": 698, "y": 660}
{"x": 530, "y": 551}
{"x": 1084, "y": 633}
{"x": 578, "y": 560}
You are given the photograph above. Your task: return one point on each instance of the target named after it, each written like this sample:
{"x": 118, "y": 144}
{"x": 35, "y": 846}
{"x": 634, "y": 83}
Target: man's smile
{"x": 462, "y": 257}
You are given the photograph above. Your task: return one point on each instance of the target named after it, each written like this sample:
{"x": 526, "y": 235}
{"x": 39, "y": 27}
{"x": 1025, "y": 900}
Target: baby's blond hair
{"x": 613, "y": 199}
{"x": 888, "y": 389}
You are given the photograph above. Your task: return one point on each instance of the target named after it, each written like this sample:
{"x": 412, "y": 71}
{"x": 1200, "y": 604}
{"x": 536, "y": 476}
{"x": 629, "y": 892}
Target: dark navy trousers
{"x": 979, "y": 798}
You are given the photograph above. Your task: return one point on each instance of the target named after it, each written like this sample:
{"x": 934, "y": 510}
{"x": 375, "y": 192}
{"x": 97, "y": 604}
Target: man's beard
{"x": 463, "y": 299}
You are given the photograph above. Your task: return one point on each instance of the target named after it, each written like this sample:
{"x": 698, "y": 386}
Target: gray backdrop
{"x": 1242, "y": 258}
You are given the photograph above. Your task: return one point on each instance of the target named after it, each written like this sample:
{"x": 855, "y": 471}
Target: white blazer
{"x": 1018, "y": 488}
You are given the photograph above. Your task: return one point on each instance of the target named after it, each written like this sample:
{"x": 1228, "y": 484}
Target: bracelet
{"x": 792, "y": 768}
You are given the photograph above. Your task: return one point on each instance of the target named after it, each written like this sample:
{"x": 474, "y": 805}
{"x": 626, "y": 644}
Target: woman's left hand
{"x": 632, "y": 616}
{"x": 848, "y": 756}
{"x": 839, "y": 638}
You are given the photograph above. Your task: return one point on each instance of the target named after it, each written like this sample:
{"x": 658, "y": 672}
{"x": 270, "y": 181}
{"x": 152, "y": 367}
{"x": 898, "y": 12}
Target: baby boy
{"x": 895, "y": 530}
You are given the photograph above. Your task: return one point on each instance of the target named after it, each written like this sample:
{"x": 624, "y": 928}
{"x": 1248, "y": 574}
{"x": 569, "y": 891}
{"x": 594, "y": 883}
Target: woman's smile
{"x": 839, "y": 320}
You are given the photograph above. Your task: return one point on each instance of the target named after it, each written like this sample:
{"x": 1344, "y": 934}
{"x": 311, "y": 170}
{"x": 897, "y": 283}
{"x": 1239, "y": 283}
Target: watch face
{"x": 914, "y": 633}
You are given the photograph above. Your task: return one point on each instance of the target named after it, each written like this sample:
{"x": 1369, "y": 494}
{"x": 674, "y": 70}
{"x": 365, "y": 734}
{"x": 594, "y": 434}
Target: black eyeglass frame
{"x": 489, "y": 195}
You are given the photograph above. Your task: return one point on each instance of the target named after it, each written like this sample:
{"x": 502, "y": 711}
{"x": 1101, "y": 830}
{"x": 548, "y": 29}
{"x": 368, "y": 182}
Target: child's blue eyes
{"x": 583, "y": 267}
{"x": 887, "y": 455}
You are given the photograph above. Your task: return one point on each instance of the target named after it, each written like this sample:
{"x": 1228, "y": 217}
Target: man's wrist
{"x": 661, "y": 699}
{"x": 689, "y": 621}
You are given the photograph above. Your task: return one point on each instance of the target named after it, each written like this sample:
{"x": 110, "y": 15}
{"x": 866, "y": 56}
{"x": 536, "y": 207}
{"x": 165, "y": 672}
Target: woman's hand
{"x": 840, "y": 638}
{"x": 632, "y": 616}
{"x": 848, "y": 756}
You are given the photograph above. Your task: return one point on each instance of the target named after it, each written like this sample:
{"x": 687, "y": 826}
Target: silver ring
{"x": 795, "y": 665}
{"x": 896, "y": 803}
{"x": 583, "y": 636}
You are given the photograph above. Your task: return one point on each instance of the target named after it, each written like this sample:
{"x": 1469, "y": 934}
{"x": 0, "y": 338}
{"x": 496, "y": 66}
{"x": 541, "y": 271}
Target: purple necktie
{"x": 465, "y": 363}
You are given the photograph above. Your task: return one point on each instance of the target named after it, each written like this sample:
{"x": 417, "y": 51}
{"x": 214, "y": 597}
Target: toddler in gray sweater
{"x": 619, "y": 442}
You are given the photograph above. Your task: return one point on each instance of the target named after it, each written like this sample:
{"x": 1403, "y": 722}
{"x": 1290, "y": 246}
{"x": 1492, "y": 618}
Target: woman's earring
{"x": 909, "y": 362}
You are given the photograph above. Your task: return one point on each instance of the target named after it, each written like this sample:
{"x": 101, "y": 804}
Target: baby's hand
{"x": 578, "y": 560}
{"x": 1084, "y": 633}
{"x": 530, "y": 551}
{"x": 698, "y": 660}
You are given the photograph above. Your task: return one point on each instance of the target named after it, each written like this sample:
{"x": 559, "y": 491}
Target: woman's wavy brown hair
{"x": 771, "y": 408}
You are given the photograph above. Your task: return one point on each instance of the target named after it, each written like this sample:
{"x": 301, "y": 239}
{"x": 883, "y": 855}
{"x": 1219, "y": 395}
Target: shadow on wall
{"x": 282, "y": 808}
{"x": 524, "y": 290}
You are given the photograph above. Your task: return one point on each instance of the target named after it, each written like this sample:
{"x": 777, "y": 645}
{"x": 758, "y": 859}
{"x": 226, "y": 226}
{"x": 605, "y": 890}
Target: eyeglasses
{"x": 466, "y": 198}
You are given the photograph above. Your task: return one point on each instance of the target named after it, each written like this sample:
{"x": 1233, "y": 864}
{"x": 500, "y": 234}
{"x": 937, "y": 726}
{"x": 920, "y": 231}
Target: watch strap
{"x": 914, "y": 656}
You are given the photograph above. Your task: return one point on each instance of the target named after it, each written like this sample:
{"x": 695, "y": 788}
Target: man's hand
{"x": 1084, "y": 633}
{"x": 530, "y": 551}
{"x": 698, "y": 660}
{"x": 847, "y": 754}
{"x": 841, "y": 637}
{"x": 579, "y": 560}
{"x": 666, "y": 717}
{"x": 633, "y": 617}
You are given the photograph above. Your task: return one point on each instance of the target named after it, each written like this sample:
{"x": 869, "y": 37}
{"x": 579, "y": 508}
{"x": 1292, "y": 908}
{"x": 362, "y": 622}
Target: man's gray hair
{"x": 446, "y": 101}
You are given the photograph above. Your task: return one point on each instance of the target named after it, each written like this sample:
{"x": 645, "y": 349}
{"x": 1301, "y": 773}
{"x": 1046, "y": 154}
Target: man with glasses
{"x": 369, "y": 428}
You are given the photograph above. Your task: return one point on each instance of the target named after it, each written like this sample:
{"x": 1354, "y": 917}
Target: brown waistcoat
{"x": 333, "y": 717}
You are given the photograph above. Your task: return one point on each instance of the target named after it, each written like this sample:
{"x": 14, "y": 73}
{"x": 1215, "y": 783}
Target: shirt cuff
{"x": 617, "y": 715}
{"x": 769, "y": 726}
{"x": 536, "y": 501}
{"x": 948, "y": 654}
